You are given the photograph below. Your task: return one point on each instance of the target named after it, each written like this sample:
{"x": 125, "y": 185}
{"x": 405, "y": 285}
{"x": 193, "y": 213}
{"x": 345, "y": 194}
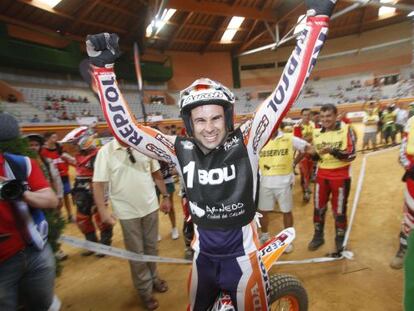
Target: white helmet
{"x": 205, "y": 91}
{"x": 81, "y": 136}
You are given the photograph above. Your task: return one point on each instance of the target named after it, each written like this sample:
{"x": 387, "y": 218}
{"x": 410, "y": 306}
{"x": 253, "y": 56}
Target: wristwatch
{"x": 166, "y": 195}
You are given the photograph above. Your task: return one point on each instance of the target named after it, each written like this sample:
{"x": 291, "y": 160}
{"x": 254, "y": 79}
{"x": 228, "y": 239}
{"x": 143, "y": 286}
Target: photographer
{"x": 27, "y": 268}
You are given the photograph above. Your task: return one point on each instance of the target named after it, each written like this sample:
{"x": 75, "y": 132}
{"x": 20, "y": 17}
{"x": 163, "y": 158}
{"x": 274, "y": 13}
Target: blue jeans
{"x": 28, "y": 277}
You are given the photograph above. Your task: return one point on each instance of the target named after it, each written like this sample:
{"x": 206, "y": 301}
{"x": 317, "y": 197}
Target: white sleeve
{"x": 299, "y": 144}
{"x": 101, "y": 169}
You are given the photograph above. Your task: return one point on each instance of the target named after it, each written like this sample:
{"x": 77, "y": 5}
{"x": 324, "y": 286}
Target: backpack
{"x": 33, "y": 219}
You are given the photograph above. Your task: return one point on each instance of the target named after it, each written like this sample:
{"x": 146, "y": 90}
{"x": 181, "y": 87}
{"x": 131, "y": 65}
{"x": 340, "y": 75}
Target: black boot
{"x": 91, "y": 236}
{"x": 398, "y": 261}
{"x": 317, "y": 240}
{"x": 339, "y": 240}
{"x": 106, "y": 239}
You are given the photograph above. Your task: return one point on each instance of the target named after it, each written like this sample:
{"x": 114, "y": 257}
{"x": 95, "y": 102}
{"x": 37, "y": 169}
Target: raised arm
{"x": 103, "y": 50}
{"x": 296, "y": 72}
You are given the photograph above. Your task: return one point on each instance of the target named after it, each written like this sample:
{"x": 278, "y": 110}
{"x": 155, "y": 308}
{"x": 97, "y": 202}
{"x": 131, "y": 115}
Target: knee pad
{"x": 340, "y": 219}
{"x": 84, "y": 201}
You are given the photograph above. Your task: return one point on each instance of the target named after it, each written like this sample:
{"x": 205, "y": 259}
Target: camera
{"x": 11, "y": 190}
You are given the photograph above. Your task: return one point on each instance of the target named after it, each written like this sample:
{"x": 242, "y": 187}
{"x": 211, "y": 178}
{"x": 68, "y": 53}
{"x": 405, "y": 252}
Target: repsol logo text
{"x": 118, "y": 117}
{"x": 279, "y": 95}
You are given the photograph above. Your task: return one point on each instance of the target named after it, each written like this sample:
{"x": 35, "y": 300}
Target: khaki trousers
{"x": 140, "y": 236}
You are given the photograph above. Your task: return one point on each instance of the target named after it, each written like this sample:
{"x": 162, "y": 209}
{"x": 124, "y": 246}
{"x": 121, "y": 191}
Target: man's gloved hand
{"x": 102, "y": 48}
{"x": 321, "y": 7}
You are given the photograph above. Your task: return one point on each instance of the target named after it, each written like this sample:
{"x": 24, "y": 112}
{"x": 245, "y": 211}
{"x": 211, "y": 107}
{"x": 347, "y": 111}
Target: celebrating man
{"x": 219, "y": 164}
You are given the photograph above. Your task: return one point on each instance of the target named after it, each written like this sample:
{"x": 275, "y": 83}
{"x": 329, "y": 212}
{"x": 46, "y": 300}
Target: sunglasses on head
{"x": 131, "y": 156}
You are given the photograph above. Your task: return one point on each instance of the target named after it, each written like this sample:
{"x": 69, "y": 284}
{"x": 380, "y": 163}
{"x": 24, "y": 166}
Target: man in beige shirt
{"x": 130, "y": 176}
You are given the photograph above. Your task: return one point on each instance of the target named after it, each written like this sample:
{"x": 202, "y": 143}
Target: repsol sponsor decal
{"x": 265, "y": 276}
{"x": 118, "y": 116}
{"x": 264, "y": 123}
{"x": 158, "y": 152}
{"x": 271, "y": 247}
{"x": 287, "y": 81}
{"x": 164, "y": 141}
{"x": 204, "y": 96}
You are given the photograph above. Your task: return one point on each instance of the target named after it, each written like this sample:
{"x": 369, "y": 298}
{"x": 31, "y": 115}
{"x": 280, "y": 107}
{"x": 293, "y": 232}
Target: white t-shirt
{"x": 131, "y": 186}
{"x": 371, "y": 123}
{"x": 402, "y": 116}
{"x": 282, "y": 181}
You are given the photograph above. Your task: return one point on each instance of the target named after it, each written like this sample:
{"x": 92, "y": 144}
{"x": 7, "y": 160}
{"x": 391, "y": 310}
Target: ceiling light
{"x": 232, "y": 29}
{"x": 157, "y": 24}
{"x": 51, "y": 3}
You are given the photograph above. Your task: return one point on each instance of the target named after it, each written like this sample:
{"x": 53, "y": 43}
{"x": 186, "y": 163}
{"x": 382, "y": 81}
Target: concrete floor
{"x": 365, "y": 283}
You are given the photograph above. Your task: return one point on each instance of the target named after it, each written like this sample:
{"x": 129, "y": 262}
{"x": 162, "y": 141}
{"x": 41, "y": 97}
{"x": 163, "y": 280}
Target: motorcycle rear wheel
{"x": 287, "y": 293}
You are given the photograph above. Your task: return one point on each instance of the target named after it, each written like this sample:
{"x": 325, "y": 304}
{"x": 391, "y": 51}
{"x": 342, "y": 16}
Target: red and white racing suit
{"x": 221, "y": 185}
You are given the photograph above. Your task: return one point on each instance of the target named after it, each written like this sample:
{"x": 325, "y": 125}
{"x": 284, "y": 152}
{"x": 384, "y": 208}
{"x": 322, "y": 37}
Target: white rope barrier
{"x": 128, "y": 255}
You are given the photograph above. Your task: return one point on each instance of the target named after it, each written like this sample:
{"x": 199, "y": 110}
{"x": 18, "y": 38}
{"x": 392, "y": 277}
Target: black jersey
{"x": 219, "y": 184}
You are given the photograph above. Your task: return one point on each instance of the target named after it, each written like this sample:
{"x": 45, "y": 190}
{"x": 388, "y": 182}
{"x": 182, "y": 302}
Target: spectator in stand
{"x": 48, "y": 118}
{"x": 401, "y": 119}
{"x": 370, "y": 122}
{"x": 27, "y": 266}
{"x": 73, "y": 116}
{"x": 35, "y": 119}
{"x": 56, "y": 105}
{"x": 11, "y": 98}
{"x": 61, "y": 159}
{"x": 64, "y": 116}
